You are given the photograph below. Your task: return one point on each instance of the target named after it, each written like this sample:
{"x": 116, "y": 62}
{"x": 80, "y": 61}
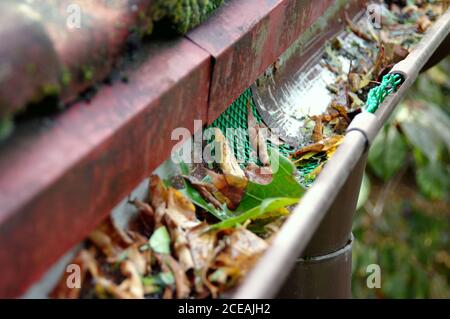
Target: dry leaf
{"x": 84, "y": 260}
{"x": 158, "y": 198}
{"x": 242, "y": 250}
{"x": 104, "y": 285}
{"x": 332, "y": 143}
{"x": 315, "y": 148}
{"x": 259, "y": 175}
{"x": 180, "y": 244}
{"x": 183, "y": 287}
{"x": 423, "y": 23}
{"x": 206, "y": 191}
{"x": 317, "y": 134}
{"x": 257, "y": 137}
{"x": 233, "y": 173}
{"x": 180, "y": 210}
{"x": 202, "y": 245}
{"x": 133, "y": 284}
{"x": 109, "y": 238}
{"x": 226, "y": 193}
{"x": 356, "y": 30}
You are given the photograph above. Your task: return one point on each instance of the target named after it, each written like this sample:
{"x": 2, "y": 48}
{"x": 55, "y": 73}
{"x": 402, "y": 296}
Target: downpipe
{"x": 324, "y": 268}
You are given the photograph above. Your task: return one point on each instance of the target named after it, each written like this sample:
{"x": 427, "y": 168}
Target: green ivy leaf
{"x": 432, "y": 179}
{"x": 422, "y": 137}
{"x": 160, "y": 241}
{"x": 266, "y": 206}
{"x": 283, "y": 185}
{"x": 388, "y": 153}
{"x": 433, "y": 117}
{"x": 364, "y": 192}
{"x": 195, "y": 197}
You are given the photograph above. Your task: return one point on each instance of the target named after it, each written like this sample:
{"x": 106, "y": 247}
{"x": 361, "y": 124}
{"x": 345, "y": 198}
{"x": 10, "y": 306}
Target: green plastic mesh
{"x": 235, "y": 116}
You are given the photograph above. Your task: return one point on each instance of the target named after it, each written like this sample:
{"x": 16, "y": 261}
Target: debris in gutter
{"x": 182, "y": 253}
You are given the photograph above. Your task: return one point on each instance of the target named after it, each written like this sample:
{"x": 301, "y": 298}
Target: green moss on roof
{"x": 181, "y": 15}
{"x": 184, "y": 14}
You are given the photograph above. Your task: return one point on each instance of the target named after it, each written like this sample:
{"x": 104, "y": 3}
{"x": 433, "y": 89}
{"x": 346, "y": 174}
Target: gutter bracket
{"x": 362, "y": 123}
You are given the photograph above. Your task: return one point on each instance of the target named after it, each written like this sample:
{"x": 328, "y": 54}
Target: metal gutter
{"x": 59, "y": 180}
{"x": 311, "y": 277}
{"x": 266, "y": 278}
{"x": 245, "y": 37}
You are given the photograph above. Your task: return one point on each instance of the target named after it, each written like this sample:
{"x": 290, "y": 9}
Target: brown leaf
{"x": 242, "y": 250}
{"x": 145, "y": 223}
{"x": 257, "y": 136}
{"x": 139, "y": 259}
{"x": 263, "y": 154}
{"x": 340, "y": 126}
{"x": 201, "y": 244}
{"x": 316, "y": 147}
{"x": 158, "y": 198}
{"x": 354, "y": 80}
{"x": 145, "y": 208}
{"x": 226, "y": 193}
{"x": 168, "y": 293}
{"x": 180, "y": 210}
{"x": 317, "y": 134}
{"x": 171, "y": 202}
{"x": 356, "y": 30}
{"x": 423, "y": 23}
{"x": 133, "y": 284}
{"x": 328, "y": 145}
{"x": 183, "y": 288}
{"x": 341, "y": 110}
{"x": 109, "y": 238}
{"x": 332, "y": 143}
{"x": 62, "y": 290}
{"x": 358, "y": 81}
{"x": 394, "y": 53}
{"x": 180, "y": 244}
{"x": 259, "y": 175}
{"x": 379, "y": 61}
{"x": 206, "y": 190}
{"x": 234, "y": 175}
{"x": 105, "y": 285}
{"x": 246, "y": 243}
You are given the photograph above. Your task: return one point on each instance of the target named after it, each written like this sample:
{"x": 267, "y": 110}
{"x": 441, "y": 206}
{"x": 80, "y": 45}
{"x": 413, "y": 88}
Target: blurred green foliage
{"x": 403, "y": 222}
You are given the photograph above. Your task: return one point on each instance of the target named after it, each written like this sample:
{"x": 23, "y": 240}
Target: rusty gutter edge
{"x": 58, "y": 182}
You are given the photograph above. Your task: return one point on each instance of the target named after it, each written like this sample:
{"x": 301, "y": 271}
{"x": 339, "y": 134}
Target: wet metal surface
{"x": 297, "y": 88}
{"x": 298, "y": 230}
{"x": 246, "y": 37}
